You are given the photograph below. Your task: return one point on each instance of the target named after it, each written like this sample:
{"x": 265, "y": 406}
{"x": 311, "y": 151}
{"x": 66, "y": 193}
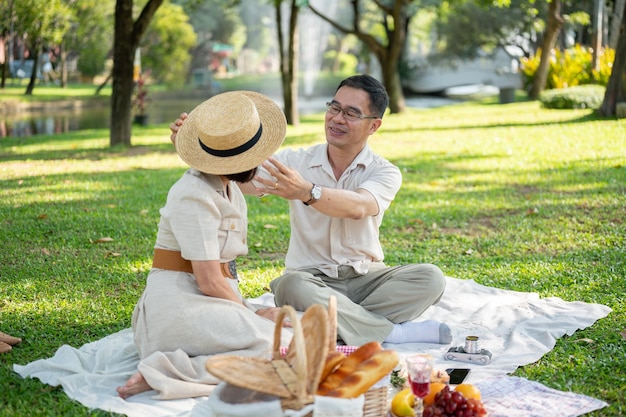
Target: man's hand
{"x": 174, "y": 127}
{"x": 289, "y": 184}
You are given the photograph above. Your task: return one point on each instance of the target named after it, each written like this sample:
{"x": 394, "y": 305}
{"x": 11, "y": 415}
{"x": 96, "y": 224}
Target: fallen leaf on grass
{"x": 269, "y": 226}
{"x": 42, "y": 216}
{"x": 104, "y": 240}
{"x": 585, "y": 339}
{"x": 623, "y": 333}
{"x": 112, "y": 255}
{"x": 45, "y": 252}
{"x": 532, "y": 211}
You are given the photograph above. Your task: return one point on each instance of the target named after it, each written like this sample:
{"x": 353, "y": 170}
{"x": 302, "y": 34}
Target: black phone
{"x": 457, "y": 375}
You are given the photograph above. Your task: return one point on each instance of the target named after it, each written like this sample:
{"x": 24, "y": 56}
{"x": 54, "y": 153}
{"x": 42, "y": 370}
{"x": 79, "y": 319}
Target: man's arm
{"x": 290, "y": 185}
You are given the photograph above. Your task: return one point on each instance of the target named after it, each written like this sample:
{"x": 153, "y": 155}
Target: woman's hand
{"x": 271, "y": 313}
{"x": 176, "y": 125}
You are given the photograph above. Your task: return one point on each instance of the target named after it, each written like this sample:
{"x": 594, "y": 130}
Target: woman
{"x": 191, "y": 307}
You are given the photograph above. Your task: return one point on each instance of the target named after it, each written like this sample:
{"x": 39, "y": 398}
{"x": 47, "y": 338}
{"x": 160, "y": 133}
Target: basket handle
{"x": 332, "y": 327}
{"x": 299, "y": 364}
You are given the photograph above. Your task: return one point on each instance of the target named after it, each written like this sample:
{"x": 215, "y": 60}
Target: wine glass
{"x": 419, "y": 370}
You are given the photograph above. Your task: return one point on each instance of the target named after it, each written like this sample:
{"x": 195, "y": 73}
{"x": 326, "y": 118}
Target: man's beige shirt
{"x": 324, "y": 242}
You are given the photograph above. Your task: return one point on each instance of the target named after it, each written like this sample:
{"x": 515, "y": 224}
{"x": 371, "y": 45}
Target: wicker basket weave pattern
{"x": 293, "y": 375}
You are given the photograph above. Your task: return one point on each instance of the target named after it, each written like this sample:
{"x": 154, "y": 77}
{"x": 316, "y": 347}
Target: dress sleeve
{"x": 194, "y": 220}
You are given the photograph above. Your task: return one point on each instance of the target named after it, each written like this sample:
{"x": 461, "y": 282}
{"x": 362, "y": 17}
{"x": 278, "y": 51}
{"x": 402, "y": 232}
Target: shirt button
{"x": 232, "y": 226}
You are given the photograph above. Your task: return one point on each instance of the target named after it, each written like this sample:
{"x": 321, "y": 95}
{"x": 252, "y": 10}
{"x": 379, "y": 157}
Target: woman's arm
{"x": 211, "y": 282}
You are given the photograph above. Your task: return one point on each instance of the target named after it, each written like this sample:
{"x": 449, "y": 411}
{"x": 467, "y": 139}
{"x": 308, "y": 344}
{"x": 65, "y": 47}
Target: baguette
{"x": 333, "y": 360}
{"x": 348, "y": 366}
{"x": 366, "y": 375}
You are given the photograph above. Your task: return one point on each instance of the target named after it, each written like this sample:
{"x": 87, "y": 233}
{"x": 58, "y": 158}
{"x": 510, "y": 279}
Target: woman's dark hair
{"x": 242, "y": 177}
{"x": 379, "y": 99}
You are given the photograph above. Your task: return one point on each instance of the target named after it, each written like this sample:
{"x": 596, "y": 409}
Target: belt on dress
{"x": 173, "y": 261}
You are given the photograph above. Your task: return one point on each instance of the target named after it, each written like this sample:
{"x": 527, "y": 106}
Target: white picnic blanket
{"x": 517, "y": 328}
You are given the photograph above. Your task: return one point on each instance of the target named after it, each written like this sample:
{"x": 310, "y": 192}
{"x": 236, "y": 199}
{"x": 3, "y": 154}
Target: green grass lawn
{"x": 512, "y": 196}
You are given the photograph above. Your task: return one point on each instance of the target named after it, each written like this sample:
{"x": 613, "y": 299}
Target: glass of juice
{"x": 419, "y": 369}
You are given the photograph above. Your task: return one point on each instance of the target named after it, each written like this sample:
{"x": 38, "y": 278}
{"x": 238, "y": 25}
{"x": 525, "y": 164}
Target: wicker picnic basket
{"x": 294, "y": 375}
{"x": 376, "y": 398}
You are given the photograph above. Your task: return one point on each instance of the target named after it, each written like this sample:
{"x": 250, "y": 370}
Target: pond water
{"x": 162, "y": 111}
{"x": 50, "y": 122}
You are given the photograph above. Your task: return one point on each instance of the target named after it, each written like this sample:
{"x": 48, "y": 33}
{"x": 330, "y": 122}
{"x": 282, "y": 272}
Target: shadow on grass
{"x": 94, "y": 145}
{"x": 588, "y": 118}
{"x": 85, "y": 145}
{"x": 561, "y": 215}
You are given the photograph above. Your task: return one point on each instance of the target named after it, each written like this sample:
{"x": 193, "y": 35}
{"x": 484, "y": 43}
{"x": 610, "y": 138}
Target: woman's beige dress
{"x": 176, "y": 327}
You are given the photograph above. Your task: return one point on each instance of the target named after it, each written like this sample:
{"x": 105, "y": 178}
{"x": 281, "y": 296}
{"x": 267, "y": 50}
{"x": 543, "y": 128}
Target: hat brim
{"x": 274, "y": 128}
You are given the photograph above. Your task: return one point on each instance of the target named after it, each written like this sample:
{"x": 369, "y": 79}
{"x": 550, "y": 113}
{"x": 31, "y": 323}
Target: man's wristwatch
{"x": 316, "y": 194}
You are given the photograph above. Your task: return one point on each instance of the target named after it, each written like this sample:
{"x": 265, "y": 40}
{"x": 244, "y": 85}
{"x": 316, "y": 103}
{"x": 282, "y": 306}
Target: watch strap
{"x": 312, "y": 199}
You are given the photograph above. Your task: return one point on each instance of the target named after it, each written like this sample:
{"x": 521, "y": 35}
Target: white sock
{"x": 428, "y": 331}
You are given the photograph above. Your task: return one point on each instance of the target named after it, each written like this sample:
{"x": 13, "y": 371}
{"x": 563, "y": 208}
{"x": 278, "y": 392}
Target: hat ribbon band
{"x": 234, "y": 151}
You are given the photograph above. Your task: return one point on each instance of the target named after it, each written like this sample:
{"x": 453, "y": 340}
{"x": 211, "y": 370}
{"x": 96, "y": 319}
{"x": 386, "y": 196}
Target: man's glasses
{"x": 348, "y": 114}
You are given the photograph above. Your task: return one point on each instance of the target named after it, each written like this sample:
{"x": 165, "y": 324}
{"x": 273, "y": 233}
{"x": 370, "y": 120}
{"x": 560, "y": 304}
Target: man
{"x": 338, "y": 193}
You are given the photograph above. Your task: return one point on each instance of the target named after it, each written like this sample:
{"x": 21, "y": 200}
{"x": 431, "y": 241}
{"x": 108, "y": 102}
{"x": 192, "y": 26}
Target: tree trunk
{"x": 125, "y": 42}
{"x": 391, "y": 80}
{"x": 33, "y": 75}
{"x": 282, "y": 55}
{"x": 390, "y": 59}
{"x": 63, "y": 70}
{"x": 103, "y": 84}
{"x": 395, "y": 21}
{"x": 123, "y": 56}
{"x": 616, "y": 87}
{"x": 596, "y": 36}
{"x": 555, "y": 23}
{"x": 290, "y": 77}
{"x": 5, "y": 65}
{"x": 616, "y": 23}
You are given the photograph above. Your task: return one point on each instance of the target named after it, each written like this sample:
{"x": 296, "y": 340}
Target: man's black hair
{"x": 379, "y": 99}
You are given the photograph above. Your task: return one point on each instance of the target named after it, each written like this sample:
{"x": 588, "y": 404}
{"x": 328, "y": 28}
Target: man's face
{"x": 343, "y": 133}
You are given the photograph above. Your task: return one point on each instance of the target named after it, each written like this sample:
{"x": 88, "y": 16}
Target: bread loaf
{"x": 333, "y": 360}
{"x": 348, "y": 366}
{"x": 367, "y": 373}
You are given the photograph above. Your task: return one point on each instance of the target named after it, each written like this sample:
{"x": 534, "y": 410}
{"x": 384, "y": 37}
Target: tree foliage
{"x": 469, "y": 28}
{"x": 382, "y": 27}
{"x": 41, "y": 23}
{"x": 166, "y": 44}
{"x": 91, "y": 36}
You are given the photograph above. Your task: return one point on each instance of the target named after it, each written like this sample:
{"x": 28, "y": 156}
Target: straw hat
{"x": 231, "y": 132}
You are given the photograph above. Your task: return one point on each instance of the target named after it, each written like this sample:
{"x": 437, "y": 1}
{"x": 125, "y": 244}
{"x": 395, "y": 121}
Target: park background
{"x": 518, "y": 195}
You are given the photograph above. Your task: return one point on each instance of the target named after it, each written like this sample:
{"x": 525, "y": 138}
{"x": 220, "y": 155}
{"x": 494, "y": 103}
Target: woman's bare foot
{"x": 136, "y": 384}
